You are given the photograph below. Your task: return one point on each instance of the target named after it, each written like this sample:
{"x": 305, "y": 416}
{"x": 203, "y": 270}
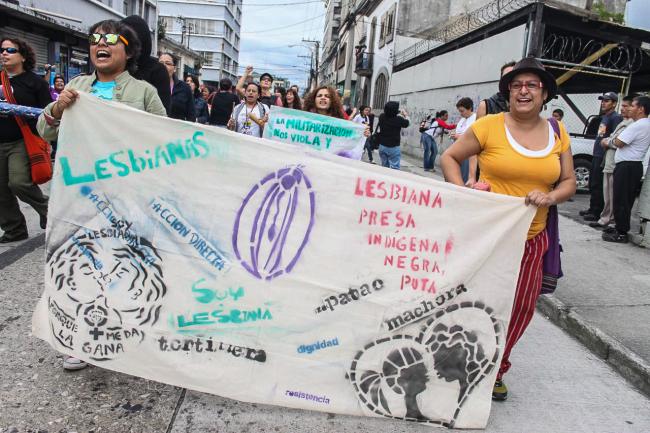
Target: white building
{"x": 210, "y": 28}
{"x": 374, "y": 52}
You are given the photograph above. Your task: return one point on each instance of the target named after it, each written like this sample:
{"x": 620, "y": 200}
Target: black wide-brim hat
{"x": 529, "y": 64}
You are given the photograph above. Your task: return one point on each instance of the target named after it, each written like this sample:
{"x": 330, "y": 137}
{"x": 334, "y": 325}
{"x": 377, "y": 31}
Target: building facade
{"x": 58, "y": 30}
{"x": 327, "y": 73}
{"x": 358, "y": 60}
{"x": 462, "y": 57}
{"x": 212, "y": 29}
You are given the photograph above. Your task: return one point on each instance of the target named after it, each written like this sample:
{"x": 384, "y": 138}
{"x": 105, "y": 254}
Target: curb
{"x": 627, "y": 363}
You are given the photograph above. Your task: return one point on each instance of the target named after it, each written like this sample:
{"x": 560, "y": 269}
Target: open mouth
{"x": 103, "y": 54}
{"x": 524, "y": 100}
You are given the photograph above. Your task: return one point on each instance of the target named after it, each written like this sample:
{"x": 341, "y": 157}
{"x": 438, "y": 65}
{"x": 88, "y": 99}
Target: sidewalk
{"x": 603, "y": 299}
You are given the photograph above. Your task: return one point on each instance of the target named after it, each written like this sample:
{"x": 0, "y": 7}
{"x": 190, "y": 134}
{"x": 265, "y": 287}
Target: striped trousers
{"x": 529, "y": 286}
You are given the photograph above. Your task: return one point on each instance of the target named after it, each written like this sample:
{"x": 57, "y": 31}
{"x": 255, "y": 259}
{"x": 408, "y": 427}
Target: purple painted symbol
{"x": 273, "y": 223}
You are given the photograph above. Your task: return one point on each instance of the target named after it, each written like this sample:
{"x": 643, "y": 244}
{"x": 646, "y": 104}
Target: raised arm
{"x": 242, "y": 80}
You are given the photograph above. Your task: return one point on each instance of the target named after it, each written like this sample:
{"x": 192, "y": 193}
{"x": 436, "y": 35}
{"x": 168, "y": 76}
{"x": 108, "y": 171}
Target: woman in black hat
{"x": 520, "y": 154}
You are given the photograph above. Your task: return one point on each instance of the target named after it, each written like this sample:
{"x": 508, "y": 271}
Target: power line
{"x": 285, "y": 26}
{"x": 281, "y": 4}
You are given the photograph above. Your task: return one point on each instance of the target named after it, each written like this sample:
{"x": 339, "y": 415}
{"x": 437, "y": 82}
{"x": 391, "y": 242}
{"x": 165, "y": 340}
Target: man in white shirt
{"x": 632, "y": 145}
{"x": 465, "y": 107}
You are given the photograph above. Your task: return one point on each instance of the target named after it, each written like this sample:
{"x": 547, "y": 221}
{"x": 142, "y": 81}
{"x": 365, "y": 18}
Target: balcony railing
{"x": 363, "y": 67}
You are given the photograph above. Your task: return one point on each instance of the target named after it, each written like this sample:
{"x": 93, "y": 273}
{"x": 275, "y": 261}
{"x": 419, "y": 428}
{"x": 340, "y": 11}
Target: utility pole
{"x": 311, "y": 69}
{"x": 316, "y": 54}
{"x": 352, "y": 21}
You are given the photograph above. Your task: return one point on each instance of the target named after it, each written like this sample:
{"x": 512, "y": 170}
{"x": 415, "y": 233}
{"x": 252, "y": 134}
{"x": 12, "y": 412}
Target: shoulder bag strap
{"x": 9, "y": 94}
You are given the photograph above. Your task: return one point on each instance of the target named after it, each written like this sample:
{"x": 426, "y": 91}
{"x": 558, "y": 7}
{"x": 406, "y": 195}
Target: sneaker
{"x": 590, "y": 217}
{"x": 615, "y": 236}
{"x": 6, "y": 238}
{"x": 585, "y": 212}
{"x": 598, "y": 225}
{"x": 43, "y": 221}
{"x": 71, "y": 364}
{"x": 610, "y": 229}
{"x": 500, "y": 391}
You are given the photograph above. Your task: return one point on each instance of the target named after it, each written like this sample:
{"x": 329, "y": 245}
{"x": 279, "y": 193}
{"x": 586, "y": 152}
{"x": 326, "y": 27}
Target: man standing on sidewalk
{"x": 607, "y": 215}
{"x": 608, "y": 124}
{"x": 632, "y": 146}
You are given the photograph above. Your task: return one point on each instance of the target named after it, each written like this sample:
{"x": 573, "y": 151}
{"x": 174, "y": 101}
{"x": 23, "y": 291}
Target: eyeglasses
{"x": 532, "y": 85}
{"x": 167, "y": 63}
{"x": 110, "y": 38}
{"x": 9, "y": 50}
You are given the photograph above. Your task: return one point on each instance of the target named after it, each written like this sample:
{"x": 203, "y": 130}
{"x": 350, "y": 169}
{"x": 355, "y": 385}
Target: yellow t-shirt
{"x": 511, "y": 169}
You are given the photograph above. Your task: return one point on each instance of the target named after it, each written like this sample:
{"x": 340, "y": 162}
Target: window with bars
{"x": 381, "y": 92}
{"x": 227, "y": 32}
{"x": 390, "y": 25}
{"x": 168, "y": 23}
{"x": 202, "y": 27}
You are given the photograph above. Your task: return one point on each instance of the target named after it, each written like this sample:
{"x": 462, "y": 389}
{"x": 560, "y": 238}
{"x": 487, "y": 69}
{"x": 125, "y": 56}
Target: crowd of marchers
{"x": 506, "y": 147}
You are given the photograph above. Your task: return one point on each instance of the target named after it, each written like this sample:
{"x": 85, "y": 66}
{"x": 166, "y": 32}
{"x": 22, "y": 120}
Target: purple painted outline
{"x": 287, "y": 220}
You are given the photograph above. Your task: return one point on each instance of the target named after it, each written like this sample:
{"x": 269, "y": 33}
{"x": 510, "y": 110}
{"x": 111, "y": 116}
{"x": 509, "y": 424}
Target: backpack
{"x": 551, "y": 263}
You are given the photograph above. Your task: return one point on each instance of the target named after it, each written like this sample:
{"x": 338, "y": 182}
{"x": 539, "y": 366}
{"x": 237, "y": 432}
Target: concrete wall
{"x": 422, "y": 16}
{"x": 441, "y": 81}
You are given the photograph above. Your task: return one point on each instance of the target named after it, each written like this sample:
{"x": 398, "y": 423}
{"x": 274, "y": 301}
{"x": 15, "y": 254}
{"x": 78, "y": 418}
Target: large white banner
{"x": 273, "y": 273}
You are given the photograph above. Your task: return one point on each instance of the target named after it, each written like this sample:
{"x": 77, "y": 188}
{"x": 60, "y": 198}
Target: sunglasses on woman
{"x": 110, "y": 38}
{"x": 9, "y": 50}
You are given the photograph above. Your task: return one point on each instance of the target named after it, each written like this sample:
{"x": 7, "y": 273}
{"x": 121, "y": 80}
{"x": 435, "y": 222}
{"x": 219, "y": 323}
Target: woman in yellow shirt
{"x": 520, "y": 155}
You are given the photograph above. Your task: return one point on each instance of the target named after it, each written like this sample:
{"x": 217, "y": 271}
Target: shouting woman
{"x": 520, "y": 155}
{"x": 114, "y": 49}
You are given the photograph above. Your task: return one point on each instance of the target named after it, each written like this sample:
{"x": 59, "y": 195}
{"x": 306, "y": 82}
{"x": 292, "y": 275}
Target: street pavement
{"x": 557, "y": 384}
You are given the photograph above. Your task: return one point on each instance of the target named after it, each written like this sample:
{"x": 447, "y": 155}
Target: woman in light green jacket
{"x": 114, "y": 49}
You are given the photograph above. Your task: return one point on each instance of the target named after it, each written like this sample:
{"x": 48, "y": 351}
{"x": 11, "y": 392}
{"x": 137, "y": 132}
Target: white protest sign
{"x": 272, "y": 273}
{"x": 329, "y": 134}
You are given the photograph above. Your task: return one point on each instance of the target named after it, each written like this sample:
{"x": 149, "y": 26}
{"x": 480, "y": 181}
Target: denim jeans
{"x": 464, "y": 170}
{"x": 368, "y": 148}
{"x": 390, "y": 156}
{"x": 430, "y": 151}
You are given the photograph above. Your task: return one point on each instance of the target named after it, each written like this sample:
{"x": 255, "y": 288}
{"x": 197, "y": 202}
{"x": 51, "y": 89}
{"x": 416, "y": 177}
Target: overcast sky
{"x": 270, "y": 26}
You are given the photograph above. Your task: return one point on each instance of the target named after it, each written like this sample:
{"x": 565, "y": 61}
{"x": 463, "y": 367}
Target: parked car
{"x": 582, "y": 148}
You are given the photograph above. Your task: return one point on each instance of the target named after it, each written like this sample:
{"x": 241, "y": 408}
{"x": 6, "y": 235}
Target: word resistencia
{"x": 351, "y": 295}
{"x": 306, "y": 396}
{"x": 323, "y": 344}
{"x": 424, "y": 309}
{"x": 198, "y": 345}
{"x": 126, "y": 162}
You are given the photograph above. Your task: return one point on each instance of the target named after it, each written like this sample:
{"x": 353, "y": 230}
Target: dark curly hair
{"x": 132, "y": 50}
{"x": 336, "y": 106}
{"x": 25, "y": 50}
{"x": 297, "y": 103}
